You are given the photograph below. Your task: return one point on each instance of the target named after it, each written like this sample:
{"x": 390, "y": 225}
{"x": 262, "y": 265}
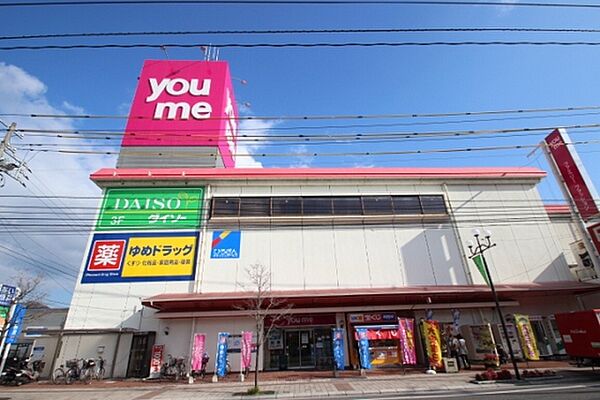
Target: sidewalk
{"x": 285, "y": 385}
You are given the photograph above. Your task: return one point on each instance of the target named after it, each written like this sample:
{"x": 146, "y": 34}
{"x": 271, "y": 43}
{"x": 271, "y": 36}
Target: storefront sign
{"x": 151, "y": 208}
{"x": 16, "y": 324}
{"x": 483, "y": 340}
{"x": 527, "y": 337}
{"x": 156, "y": 361}
{"x": 406, "y": 335}
{"x": 221, "y": 358}
{"x": 246, "y": 356}
{"x": 370, "y": 318}
{"x": 338, "y": 349}
{"x": 3, "y": 315}
{"x": 572, "y": 172}
{"x": 594, "y": 231}
{"x": 302, "y": 320}
{"x": 363, "y": 348}
{"x": 225, "y": 244}
{"x": 7, "y": 295}
{"x": 138, "y": 257}
{"x": 198, "y": 351}
{"x": 184, "y": 103}
{"x": 433, "y": 343}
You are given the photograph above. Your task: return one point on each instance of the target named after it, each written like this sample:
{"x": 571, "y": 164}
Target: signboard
{"x": 3, "y": 315}
{"x": 338, "y": 349}
{"x": 7, "y": 295}
{"x": 140, "y": 257}
{"x": 151, "y": 208}
{"x": 363, "y": 348}
{"x": 594, "y": 232}
{"x": 302, "y": 320}
{"x": 158, "y": 351}
{"x": 406, "y": 335}
{"x": 198, "y": 351}
{"x": 573, "y": 174}
{"x": 433, "y": 343}
{"x": 184, "y": 103}
{"x": 246, "y": 356}
{"x": 225, "y": 244}
{"x": 221, "y": 358}
{"x": 369, "y": 318}
{"x": 527, "y": 337}
{"x": 16, "y": 324}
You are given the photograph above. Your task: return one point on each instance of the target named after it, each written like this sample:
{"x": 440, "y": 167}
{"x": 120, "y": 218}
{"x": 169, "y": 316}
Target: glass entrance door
{"x": 300, "y": 348}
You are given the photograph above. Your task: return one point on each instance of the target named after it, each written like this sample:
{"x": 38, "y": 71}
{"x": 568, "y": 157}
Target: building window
{"x": 255, "y": 206}
{"x": 347, "y": 205}
{"x": 316, "y": 205}
{"x": 377, "y": 205}
{"x": 406, "y": 205}
{"x": 433, "y": 204}
{"x": 226, "y": 207}
{"x": 286, "y": 206}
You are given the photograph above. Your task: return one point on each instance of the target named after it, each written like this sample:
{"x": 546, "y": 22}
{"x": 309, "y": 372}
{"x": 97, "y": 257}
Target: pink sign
{"x": 572, "y": 175}
{"x": 246, "y": 358}
{"x": 198, "y": 351}
{"x": 406, "y": 333}
{"x": 184, "y": 103}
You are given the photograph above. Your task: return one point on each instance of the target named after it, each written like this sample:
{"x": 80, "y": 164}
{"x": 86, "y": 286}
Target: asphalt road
{"x": 538, "y": 392}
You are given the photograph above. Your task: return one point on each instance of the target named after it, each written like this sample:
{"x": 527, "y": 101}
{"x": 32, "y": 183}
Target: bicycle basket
{"x": 72, "y": 363}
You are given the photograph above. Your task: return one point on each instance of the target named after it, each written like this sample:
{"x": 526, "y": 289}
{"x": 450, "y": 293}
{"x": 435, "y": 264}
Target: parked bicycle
{"x": 173, "y": 368}
{"x": 75, "y": 370}
{"x": 204, "y": 363}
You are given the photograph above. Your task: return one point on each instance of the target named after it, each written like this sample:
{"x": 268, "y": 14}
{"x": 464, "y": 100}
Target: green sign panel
{"x": 151, "y": 208}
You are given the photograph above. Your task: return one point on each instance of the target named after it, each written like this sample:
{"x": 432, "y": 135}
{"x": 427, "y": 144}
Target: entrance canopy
{"x": 323, "y": 298}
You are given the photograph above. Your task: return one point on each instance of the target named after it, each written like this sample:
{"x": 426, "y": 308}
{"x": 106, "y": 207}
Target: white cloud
{"x": 504, "y": 10}
{"x": 53, "y": 174}
{"x": 245, "y": 147}
{"x": 299, "y": 159}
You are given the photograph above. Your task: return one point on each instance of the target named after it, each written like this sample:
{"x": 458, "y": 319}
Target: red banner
{"x": 246, "y": 356}
{"x": 571, "y": 174}
{"x": 156, "y": 360}
{"x": 594, "y": 231}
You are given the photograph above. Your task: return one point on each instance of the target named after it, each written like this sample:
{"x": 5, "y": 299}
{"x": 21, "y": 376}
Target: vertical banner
{"x": 363, "y": 348}
{"x": 527, "y": 337}
{"x": 7, "y": 295}
{"x": 433, "y": 342}
{"x": 246, "y": 356}
{"x": 338, "y": 348}
{"x": 406, "y": 334}
{"x": 478, "y": 260}
{"x": 221, "y": 359}
{"x": 158, "y": 351}
{"x": 3, "y": 316}
{"x": 16, "y": 324}
{"x": 198, "y": 351}
{"x": 574, "y": 175}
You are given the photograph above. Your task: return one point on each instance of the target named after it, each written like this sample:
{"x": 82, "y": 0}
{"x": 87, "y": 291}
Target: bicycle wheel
{"x": 71, "y": 376}
{"x": 86, "y": 376}
{"x": 58, "y": 376}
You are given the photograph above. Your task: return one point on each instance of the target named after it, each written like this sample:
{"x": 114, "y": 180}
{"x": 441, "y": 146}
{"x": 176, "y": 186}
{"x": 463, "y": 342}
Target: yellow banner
{"x": 528, "y": 341}
{"x": 159, "y": 256}
{"x": 431, "y": 333}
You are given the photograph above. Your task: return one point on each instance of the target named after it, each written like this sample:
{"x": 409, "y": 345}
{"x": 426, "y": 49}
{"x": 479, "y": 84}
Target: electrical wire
{"x": 296, "y": 32}
{"x": 295, "y": 45}
{"x": 301, "y": 2}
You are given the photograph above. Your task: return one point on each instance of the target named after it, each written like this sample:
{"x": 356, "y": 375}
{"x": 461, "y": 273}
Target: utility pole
{"x": 10, "y": 164}
{"x": 478, "y": 250}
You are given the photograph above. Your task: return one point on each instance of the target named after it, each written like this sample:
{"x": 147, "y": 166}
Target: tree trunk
{"x": 258, "y": 341}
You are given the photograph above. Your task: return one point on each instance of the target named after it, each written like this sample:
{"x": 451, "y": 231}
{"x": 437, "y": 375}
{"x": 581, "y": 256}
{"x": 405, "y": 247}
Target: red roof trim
{"x": 557, "y": 208}
{"x": 147, "y": 174}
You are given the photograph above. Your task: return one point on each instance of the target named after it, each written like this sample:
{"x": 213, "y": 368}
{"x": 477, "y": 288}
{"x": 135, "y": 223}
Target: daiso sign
{"x": 184, "y": 103}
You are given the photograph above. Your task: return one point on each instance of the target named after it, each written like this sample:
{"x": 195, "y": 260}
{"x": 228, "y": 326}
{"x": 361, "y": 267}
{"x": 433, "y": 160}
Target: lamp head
{"x": 487, "y": 233}
{"x": 476, "y": 232}
{"x": 470, "y": 244}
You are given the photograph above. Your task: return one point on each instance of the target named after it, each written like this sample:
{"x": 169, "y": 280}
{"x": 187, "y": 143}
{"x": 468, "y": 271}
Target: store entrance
{"x": 300, "y": 348}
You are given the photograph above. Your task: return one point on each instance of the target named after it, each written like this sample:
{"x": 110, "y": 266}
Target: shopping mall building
{"x": 345, "y": 248}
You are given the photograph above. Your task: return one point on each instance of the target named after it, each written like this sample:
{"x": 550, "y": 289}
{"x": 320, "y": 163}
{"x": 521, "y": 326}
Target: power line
{"x": 326, "y": 117}
{"x": 295, "y": 32}
{"x": 297, "y": 45}
{"x": 300, "y": 2}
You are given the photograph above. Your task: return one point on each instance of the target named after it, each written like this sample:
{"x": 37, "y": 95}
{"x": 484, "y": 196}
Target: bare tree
{"x": 31, "y": 293}
{"x": 259, "y": 306}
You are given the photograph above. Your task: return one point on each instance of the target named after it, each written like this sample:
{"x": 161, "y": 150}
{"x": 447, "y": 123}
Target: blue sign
{"x": 7, "y": 295}
{"x": 16, "y": 324}
{"x": 338, "y": 349}
{"x": 363, "y": 348}
{"x": 221, "y": 359}
{"x": 225, "y": 244}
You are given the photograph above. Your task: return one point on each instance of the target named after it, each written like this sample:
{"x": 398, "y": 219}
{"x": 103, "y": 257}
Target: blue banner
{"x": 16, "y": 324}
{"x": 338, "y": 349}
{"x": 7, "y": 295}
{"x": 221, "y": 359}
{"x": 363, "y": 348}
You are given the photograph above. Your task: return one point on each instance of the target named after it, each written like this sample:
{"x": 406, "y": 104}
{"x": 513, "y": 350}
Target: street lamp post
{"x": 481, "y": 247}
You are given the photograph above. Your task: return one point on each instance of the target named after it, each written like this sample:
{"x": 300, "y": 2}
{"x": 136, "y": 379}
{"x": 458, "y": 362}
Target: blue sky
{"x": 296, "y": 81}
